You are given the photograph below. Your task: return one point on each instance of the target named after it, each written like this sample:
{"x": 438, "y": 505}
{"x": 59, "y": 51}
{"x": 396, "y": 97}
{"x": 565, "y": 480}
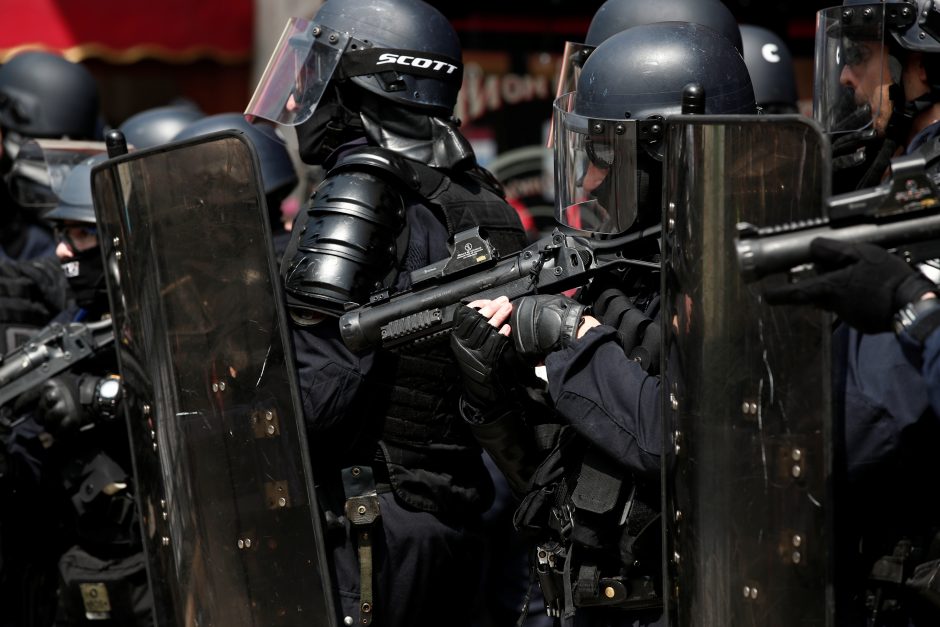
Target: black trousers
{"x": 426, "y": 571}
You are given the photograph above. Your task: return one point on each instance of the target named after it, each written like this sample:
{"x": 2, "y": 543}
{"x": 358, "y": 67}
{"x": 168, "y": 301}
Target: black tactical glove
{"x": 480, "y": 352}
{"x": 544, "y": 323}
{"x": 861, "y": 283}
{"x": 60, "y": 409}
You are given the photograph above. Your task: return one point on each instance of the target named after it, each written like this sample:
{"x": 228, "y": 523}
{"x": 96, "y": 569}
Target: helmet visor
{"x": 572, "y": 61}
{"x": 595, "y": 171}
{"x": 41, "y": 167}
{"x": 852, "y": 72}
{"x": 297, "y": 74}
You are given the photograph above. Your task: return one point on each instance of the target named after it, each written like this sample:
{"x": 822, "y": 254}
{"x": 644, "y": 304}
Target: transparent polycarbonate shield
{"x": 298, "y": 72}
{"x": 746, "y": 386}
{"x": 229, "y": 519}
{"x": 572, "y": 60}
{"x": 851, "y": 69}
{"x": 595, "y": 171}
{"x": 41, "y": 167}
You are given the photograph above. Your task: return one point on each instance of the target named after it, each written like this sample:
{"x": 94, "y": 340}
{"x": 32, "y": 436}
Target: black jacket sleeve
{"x": 609, "y": 399}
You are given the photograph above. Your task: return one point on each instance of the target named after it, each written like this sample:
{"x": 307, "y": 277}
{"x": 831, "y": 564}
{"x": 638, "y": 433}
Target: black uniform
{"x": 397, "y": 414}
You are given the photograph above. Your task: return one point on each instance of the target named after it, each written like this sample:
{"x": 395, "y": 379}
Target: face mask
{"x": 85, "y": 275}
{"x": 331, "y": 125}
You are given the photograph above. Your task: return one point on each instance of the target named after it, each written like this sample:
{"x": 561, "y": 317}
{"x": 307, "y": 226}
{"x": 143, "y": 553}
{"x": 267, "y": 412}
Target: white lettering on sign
{"x": 771, "y": 53}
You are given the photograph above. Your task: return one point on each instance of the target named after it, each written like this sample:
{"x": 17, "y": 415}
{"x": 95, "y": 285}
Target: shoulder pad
{"x": 380, "y": 161}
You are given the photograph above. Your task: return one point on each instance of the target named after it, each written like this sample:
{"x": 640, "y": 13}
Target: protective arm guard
{"x": 351, "y": 238}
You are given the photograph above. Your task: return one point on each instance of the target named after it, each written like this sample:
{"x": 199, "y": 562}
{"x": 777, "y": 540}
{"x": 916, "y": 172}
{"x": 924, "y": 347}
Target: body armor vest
{"x": 433, "y": 462}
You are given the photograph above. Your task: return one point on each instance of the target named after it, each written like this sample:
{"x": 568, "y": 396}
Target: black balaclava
{"x": 334, "y": 123}
{"x": 85, "y": 275}
{"x": 347, "y": 112}
{"x": 415, "y": 134}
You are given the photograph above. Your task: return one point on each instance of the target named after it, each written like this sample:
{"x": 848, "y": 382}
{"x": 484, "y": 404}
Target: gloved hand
{"x": 60, "y": 408}
{"x": 480, "y": 348}
{"x": 861, "y": 283}
{"x": 544, "y": 323}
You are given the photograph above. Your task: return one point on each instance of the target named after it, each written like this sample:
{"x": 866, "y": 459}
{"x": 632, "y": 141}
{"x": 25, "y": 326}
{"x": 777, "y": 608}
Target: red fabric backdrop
{"x": 126, "y": 31}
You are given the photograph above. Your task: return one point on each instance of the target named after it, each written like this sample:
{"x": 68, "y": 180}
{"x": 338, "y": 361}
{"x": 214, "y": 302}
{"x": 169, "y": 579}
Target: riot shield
{"x": 746, "y": 386}
{"x": 229, "y": 520}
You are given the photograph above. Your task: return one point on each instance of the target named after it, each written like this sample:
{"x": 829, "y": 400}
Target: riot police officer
{"x": 878, "y": 68}
{"x": 371, "y": 86}
{"x": 81, "y": 481}
{"x": 876, "y": 89}
{"x": 42, "y": 95}
{"x": 593, "y": 503}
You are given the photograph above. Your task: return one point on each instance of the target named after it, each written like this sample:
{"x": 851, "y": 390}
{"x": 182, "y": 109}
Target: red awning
{"x": 125, "y": 31}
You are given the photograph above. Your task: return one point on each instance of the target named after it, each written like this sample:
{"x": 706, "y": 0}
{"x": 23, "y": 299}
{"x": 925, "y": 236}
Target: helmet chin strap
{"x": 898, "y": 130}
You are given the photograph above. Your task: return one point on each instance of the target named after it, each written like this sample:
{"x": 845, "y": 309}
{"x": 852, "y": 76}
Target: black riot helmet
{"x": 277, "y": 170}
{"x": 43, "y": 95}
{"x": 159, "y": 125}
{"x": 608, "y": 147}
{"x": 863, "y": 43}
{"x": 75, "y": 201}
{"x": 771, "y": 68}
{"x": 615, "y": 16}
{"x": 864, "y": 94}
{"x": 403, "y": 51}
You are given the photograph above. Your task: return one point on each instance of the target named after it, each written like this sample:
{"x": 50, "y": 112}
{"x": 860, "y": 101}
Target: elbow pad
{"x": 346, "y": 245}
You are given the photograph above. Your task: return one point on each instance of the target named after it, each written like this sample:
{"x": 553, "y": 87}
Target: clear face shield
{"x": 304, "y": 60}
{"x": 572, "y": 61}
{"x": 42, "y": 166}
{"x": 852, "y": 74}
{"x": 595, "y": 170}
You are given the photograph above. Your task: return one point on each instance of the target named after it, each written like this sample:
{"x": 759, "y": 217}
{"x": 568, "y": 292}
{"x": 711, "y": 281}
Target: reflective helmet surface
{"x": 913, "y": 24}
{"x": 610, "y": 130}
{"x": 859, "y": 52}
{"x": 404, "y": 51}
{"x": 615, "y": 16}
{"x": 277, "y": 169}
{"x": 643, "y": 71}
{"x": 402, "y": 24}
{"x": 75, "y": 198}
{"x": 770, "y": 65}
{"x": 159, "y": 125}
{"x": 45, "y": 95}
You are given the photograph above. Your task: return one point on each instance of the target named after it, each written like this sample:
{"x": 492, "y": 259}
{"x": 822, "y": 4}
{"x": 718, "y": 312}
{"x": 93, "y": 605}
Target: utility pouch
{"x": 114, "y": 591}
